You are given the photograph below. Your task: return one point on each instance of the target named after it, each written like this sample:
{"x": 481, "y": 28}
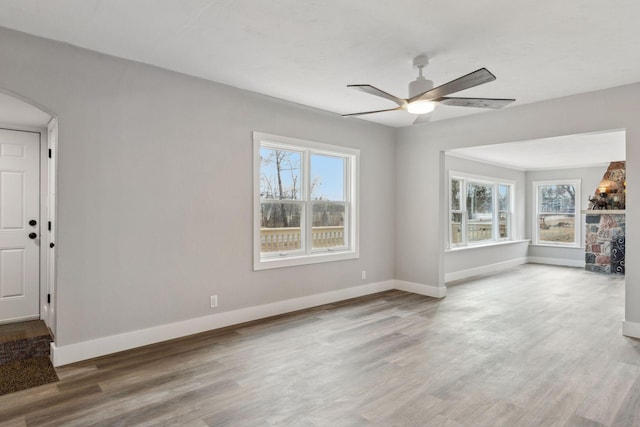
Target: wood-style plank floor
{"x": 533, "y": 346}
{"x": 23, "y": 330}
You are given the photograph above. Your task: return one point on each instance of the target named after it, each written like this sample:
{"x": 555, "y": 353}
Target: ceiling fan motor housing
{"x": 419, "y": 85}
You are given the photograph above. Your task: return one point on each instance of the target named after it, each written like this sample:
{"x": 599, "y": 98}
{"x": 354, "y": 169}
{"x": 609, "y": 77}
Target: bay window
{"x": 480, "y": 210}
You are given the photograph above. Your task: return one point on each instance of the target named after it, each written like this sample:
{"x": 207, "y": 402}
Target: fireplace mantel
{"x": 604, "y": 212}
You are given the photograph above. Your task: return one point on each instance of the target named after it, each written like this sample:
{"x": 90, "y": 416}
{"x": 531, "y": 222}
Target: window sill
{"x": 551, "y": 245}
{"x": 486, "y": 245}
{"x": 295, "y": 260}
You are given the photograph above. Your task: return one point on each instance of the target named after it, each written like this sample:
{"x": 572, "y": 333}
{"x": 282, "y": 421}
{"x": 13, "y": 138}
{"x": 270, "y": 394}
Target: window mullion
{"x": 450, "y": 211}
{"x": 537, "y": 210}
{"x": 496, "y": 207}
{"x": 306, "y": 197}
{"x": 346, "y": 231}
{"x": 463, "y": 206}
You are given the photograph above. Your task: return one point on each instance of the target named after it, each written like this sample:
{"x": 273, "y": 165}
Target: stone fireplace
{"x": 605, "y": 241}
{"x": 606, "y": 223}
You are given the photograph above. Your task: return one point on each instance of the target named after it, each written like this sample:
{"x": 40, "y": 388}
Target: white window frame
{"x": 578, "y": 216}
{"x": 465, "y": 178}
{"x": 308, "y": 255}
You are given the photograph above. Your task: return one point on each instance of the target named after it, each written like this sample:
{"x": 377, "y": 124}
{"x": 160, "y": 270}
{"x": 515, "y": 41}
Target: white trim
{"x": 490, "y": 268}
{"x": 278, "y": 140}
{"x": 304, "y": 259}
{"x": 630, "y": 329}
{"x": 49, "y": 275}
{"x": 566, "y": 262}
{"x": 62, "y": 355}
{"x": 500, "y": 266}
{"x": 421, "y": 289}
{"x": 487, "y": 245}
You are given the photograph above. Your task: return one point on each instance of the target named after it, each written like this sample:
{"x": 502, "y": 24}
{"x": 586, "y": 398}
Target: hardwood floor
{"x": 533, "y": 346}
{"x": 22, "y": 330}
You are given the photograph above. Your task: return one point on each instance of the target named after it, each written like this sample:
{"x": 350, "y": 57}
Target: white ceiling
{"x": 307, "y": 51}
{"x": 561, "y": 152}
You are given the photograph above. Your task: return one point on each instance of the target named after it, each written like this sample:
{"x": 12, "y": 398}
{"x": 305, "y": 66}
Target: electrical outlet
{"x": 364, "y": 274}
{"x": 214, "y": 301}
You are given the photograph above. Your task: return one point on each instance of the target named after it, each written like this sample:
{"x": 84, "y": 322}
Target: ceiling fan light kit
{"x": 423, "y": 97}
{"x": 418, "y": 86}
{"x": 421, "y": 107}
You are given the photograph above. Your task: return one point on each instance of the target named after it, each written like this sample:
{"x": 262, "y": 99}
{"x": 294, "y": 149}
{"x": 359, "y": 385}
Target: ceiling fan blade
{"x": 422, "y": 118}
{"x": 372, "y": 90}
{"x": 476, "y": 78}
{"x": 476, "y": 102}
{"x": 372, "y": 112}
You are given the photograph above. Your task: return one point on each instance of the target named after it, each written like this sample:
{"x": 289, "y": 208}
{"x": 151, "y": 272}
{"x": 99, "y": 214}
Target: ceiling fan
{"x": 423, "y": 97}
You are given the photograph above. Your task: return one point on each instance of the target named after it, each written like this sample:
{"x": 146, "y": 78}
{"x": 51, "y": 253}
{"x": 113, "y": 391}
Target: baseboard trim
{"x": 485, "y": 269}
{"x": 630, "y": 329}
{"x": 420, "y": 289}
{"x": 20, "y": 319}
{"x": 556, "y": 261}
{"x": 76, "y": 352}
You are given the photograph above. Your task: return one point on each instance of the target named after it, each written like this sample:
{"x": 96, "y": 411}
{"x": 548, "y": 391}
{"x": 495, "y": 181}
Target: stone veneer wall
{"x": 617, "y": 174}
{"x": 602, "y": 229}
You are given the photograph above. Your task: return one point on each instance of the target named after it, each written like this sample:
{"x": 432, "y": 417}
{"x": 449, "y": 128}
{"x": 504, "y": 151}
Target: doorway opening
{"x": 28, "y": 148}
{"x": 555, "y": 178}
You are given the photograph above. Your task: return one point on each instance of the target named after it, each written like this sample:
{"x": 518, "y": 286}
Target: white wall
{"x": 420, "y": 164}
{"x": 465, "y": 262}
{"x": 590, "y": 178}
{"x": 155, "y": 190}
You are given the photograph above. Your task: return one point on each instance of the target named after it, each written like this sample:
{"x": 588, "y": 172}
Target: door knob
{"x": 32, "y": 235}
{"x": 33, "y": 222}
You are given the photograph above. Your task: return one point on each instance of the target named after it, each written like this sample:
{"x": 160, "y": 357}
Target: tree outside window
{"x": 305, "y": 194}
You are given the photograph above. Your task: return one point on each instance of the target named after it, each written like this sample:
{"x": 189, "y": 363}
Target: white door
{"x": 19, "y": 225}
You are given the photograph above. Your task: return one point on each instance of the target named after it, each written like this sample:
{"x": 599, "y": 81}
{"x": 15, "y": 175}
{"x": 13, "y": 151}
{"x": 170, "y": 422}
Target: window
{"x": 556, "y": 221}
{"x": 305, "y": 202}
{"x": 480, "y": 210}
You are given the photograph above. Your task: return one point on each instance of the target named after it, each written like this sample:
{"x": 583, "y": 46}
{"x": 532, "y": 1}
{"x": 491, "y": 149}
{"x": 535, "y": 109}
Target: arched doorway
{"x": 28, "y": 135}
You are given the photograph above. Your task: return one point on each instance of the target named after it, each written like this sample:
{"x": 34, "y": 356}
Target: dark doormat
{"x": 23, "y": 374}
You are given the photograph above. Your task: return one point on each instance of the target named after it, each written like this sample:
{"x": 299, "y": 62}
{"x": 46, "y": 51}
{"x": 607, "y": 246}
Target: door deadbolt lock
{"x": 33, "y": 222}
{"x": 32, "y": 236}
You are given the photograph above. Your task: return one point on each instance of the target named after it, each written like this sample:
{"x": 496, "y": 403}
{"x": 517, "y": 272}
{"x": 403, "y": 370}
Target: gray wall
{"x": 155, "y": 189}
{"x": 419, "y": 160}
{"x": 590, "y": 178}
{"x": 470, "y": 258}
{"x": 155, "y": 186}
